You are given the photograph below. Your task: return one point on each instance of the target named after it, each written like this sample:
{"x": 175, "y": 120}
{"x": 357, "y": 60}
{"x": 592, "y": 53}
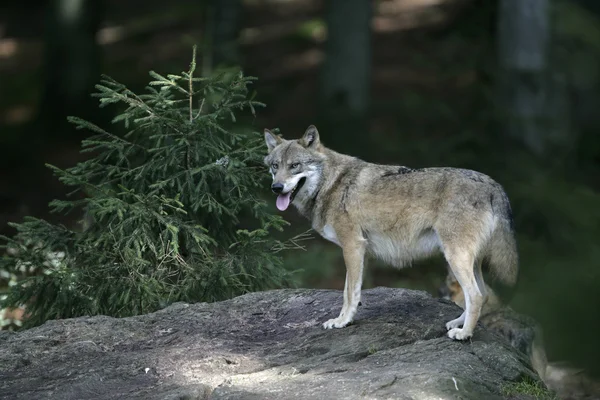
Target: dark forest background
{"x": 507, "y": 87}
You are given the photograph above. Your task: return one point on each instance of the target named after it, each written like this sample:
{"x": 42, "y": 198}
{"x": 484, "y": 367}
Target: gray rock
{"x": 267, "y": 345}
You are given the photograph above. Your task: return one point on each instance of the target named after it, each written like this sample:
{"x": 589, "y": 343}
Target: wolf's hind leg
{"x": 458, "y": 322}
{"x": 462, "y": 264}
{"x": 479, "y": 279}
{"x": 354, "y": 255}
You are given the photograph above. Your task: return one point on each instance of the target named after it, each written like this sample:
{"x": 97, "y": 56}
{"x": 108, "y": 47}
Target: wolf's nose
{"x": 277, "y": 188}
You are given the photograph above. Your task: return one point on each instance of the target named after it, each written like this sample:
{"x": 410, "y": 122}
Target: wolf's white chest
{"x": 329, "y": 233}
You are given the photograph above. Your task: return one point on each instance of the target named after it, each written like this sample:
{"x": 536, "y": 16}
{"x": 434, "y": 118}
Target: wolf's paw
{"x": 455, "y": 323}
{"x": 338, "y": 322}
{"x": 459, "y": 334}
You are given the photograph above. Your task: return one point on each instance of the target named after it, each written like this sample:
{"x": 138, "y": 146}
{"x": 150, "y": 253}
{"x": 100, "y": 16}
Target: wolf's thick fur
{"x": 399, "y": 215}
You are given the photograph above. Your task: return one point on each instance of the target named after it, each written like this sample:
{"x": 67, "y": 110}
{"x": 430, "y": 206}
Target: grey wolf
{"x": 398, "y": 214}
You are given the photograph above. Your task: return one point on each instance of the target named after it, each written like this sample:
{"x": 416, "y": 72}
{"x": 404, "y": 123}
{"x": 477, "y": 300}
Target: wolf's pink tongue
{"x": 283, "y": 201}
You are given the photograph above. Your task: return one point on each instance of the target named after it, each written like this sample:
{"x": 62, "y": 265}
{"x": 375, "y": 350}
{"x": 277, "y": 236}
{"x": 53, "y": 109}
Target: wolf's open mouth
{"x": 284, "y": 200}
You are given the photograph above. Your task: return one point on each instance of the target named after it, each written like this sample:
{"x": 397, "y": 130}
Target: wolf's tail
{"x": 502, "y": 252}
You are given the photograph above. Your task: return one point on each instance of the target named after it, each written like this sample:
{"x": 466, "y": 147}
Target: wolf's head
{"x": 296, "y": 166}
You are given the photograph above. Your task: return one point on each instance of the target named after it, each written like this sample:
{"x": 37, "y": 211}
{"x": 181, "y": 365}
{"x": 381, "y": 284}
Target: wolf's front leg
{"x": 354, "y": 256}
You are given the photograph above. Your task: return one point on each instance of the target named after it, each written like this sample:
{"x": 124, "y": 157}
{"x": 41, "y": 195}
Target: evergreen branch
{"x": 162, "y": 81}
{"x": 200, "y": 109}
{"x": 191, "y": 83}
{"x": 162, "y": 207}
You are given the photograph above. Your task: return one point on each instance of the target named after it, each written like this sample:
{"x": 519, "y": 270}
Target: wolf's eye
{"x": 274, "y": 166}
{"x": 294, "y": 165}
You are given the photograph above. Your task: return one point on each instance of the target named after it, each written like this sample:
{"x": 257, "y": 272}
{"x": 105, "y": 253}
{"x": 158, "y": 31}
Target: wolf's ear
{"x": 310, "y": 138}
{"x": 272, "y": 140}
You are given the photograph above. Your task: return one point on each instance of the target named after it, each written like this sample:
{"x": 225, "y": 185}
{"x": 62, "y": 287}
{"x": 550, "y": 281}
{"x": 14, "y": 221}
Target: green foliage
{"x": 528, "y": 387}
{"x": 171, "y": 208}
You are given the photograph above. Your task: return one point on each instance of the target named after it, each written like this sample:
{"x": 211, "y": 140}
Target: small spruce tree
{"x": 165, "y": 204}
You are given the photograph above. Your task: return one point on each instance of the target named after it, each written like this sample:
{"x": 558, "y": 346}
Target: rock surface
{"x": 267, "y": 345}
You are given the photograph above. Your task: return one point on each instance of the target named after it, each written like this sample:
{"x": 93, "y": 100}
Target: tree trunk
{"x": 532, "y": 95}
{"x": 346, "y": 74}
{"x": 223, "y": 19}
{"x": 72, "y": 63}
